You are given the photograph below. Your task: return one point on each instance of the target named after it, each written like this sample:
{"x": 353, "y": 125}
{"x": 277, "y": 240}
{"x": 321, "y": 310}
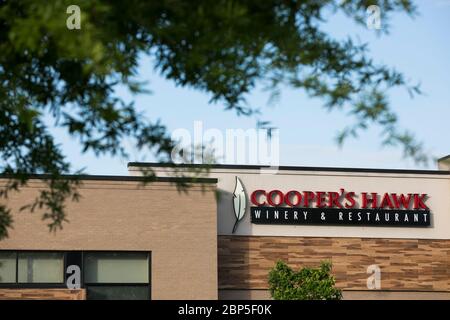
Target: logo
{"x": 239, "y": 202}
{"x": 339, "y": 208}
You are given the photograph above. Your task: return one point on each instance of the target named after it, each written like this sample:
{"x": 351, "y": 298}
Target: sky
{"x": 419, "y": 47}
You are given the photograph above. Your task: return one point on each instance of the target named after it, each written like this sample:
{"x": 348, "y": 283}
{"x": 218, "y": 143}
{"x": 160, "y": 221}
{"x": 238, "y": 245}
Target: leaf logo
{"x": 239, "y": 202}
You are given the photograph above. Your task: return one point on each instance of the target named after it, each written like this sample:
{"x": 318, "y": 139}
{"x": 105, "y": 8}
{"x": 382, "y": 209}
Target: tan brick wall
{"x": 42, "y": 294}
{"x": 406, "y": 264}
{"x": 179, "y": 229}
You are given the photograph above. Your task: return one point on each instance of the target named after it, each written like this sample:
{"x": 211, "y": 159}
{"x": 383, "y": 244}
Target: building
{"x": 221, "y": 237}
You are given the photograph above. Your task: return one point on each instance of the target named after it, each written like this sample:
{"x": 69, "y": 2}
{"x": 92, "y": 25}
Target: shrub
{"x": 305, "y": 284}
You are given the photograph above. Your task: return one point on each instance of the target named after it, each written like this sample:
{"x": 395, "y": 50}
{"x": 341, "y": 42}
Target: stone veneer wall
{"x": 42, "y": 294}
{"x": 406, "y": 264}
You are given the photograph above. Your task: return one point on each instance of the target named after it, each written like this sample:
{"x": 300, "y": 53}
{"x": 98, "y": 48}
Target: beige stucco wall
{"x": 444, "y": 163}
{"x": 179, "y": 229}
{"x": 437, "y": 186}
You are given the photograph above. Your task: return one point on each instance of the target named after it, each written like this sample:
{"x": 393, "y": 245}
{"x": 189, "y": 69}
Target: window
{"x": 40, "y": 267}
{"x": 117, "y": 275}
{"x": 7, "y": 267}
{"x": 104, "y": 275}
{"x": 31, "y": 267}
{"x": 113, "y": 267}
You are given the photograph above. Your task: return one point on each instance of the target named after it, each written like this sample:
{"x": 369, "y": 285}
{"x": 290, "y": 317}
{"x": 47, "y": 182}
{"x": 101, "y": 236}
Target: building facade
{"x": 386, "y": 232}
{"x": 129, "y": 240}
{"x": 413, "y": 257}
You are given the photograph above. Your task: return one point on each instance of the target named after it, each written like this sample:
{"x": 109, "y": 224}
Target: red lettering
{"x": 270, "y": 197}
{"x": 333, "y": 200}
{"x": 294, "y": 198}
{"x": 295, "y": 195}
{"x": 419, "y": 201}
{"x": 386, "y": 201}
{"x": 366, "y": 200}
{"x": 320, "y": 199}
{"x": 254, "y": 197}
{"x": 351, "y": 202}
{"x": 308, "y": 196}
{"x": 401, "y": 201}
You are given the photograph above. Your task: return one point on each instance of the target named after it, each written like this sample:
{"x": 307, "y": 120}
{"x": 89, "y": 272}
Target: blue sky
{"x": 418, "y": 47}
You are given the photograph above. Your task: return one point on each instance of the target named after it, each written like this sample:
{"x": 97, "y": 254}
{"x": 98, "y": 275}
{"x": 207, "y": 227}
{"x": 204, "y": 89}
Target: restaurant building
{"x": 386, "y": 232}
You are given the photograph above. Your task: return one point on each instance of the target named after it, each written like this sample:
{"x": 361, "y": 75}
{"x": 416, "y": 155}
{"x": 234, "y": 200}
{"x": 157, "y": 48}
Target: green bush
{"x": 305, "y": 284}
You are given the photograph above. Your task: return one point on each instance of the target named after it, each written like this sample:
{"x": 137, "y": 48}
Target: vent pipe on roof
{"x": 444, "y": 163}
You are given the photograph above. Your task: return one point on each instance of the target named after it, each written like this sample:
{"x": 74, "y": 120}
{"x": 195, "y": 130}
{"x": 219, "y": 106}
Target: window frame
{"x": 119, "y": 284}
{"x": 7, "y": 284}
{"x": 64, "y": 267}
{"x": 84, "y": 285}
{"x": 34, "y": 285}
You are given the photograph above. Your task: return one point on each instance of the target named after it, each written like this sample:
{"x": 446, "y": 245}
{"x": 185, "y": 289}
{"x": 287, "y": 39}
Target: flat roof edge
{"x": 288, "y": 168}
{"x": 123, "y": 178}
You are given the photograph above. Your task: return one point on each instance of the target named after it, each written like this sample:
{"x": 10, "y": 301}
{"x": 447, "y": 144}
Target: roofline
{"x": 287, "y": 168}
{"x": 444, "y": 158}
{"x": 122, "y": 178}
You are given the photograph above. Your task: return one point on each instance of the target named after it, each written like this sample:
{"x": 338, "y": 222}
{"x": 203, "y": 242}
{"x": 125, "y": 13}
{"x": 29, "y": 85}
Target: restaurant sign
{"x": 346, "y": 208}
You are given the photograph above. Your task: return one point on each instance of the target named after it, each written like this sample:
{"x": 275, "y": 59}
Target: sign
{"x": 346, "y": 208}
{"x": 349, "y": 217}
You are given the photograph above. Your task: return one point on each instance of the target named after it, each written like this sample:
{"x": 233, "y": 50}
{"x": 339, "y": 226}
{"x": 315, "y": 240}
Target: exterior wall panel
{"x": 42, "y": 294}
{"x": 180, "y": 230}
{"x": 406, "y": 264}
{"x": 414, "y": 261}
{"x": 434, "y": 183}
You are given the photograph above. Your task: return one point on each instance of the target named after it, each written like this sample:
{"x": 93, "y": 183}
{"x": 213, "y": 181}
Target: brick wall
{"x": 180, "y": 230}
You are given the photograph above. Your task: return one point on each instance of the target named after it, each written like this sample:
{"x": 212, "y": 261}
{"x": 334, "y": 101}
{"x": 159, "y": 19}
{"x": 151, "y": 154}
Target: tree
{"x": 305, "y": 284}
{"x": 53, "y": 76}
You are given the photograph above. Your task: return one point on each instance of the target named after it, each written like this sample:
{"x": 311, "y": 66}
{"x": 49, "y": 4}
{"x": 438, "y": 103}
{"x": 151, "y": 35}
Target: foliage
{"x": 52, "y": 77}
{"x": 305, "y": 284}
